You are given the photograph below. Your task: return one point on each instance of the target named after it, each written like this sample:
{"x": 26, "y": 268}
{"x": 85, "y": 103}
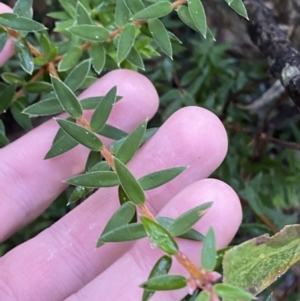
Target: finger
{"x": 8, "y": 49}
{"x": 192, "y": 137}
{"x": 29, "y": 183}
{"x": 224, "y": 216}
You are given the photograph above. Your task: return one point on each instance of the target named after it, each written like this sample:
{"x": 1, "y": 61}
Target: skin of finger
{"x": 8, "y": 49}
{"x": 29, "y": 184}
{"x": 224, "y": 216}
{"x": 67, "y": 249}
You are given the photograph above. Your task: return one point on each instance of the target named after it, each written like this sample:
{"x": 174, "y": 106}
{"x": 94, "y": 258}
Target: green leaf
{"x": 24, "y": 54}
{"x": 3, "y": 140}
{"x": 93, "y": 159}
{"x": 122, "y": 13}
{"x": 6, "y": 97}
{"x": 47, "y": 45}
{"x": 100, "y": 166}
{"x": 3, "y": 38}
{"x": 23, "y": 8}
{"x": 203, "y": 296}
{"x": 77, "y": 76}
{"x": 112, "y": 132}
{"x": 124, "y": 233}
{"x": 239, "y": 7}
{"x": 82, "y": 15}
{"x": 197, "y": 12}
{"x": 130, "y": 185}
{"x": 209, "y": 253}
{"x": 38, "y": 87}
{"x": 46, "y": 107}
{"x": 232, "y": 292}
{"x": 12, "y": 78}
{"x": 135, "y": 58}
{"x": 62, "y": 143}
{"x": 70, "y": 59}
{"x": 160, "y": 177}
{"x": 103, "y": 110}
{"x": 161, "y": 267}
{"x": 185, "y": 16}
{"x": 59, "y": 15}
{"x": 20, "y": 23}
{"x": 78, "y": 193}
{"x": 90, "y": 32}
{"x": 165, "y": 283}
{"x": 95, "y": 179}
{"x": 98, "y": 56}
{"x": 67, "y": 98}
{"x": 40, "y": 61}
{"x": 134, "y": 5}
{"x": 258, "y": 262}
{"x": 16, "y": 109}
{"x": 159, "y": 236}
{"x": 81, "y": 135}
{"x": 160, "y": 36}
{"x": 125, "y": 42}
{"x": 131, "y": 144}
{"x": 191, "y": 234}
{"x": 187, "y": 220}
{"x": 156, "y": 10}
{"x": 120, "y": 218}
{"x": 69, "y": 7}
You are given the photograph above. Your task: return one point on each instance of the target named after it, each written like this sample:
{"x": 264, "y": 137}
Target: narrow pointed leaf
{"x": 239, "y": 7}
{"x": 197, "y": 12}
{"x": 78, "y": 193}
{"x": 160, "y": 36}
{"x": 156, "y": 10}
{"x": 80, "y": 134}
{"x": 135, "y": 58}
{"x": 38, "y": 87}
{"x": 187, "y": 220}
{"x": 120, "y": 218}
{"x": 70, "y": 59}
{"x": 61, "y": 145}
{"x": 134, "y": 5}
{"x": 3, "y": 38}
{"x": 130, "y": 185}
{"x": 100, "y": 166}
{"x": 46, "y": 107}
{"x": 159, "y": 236}
{"x": 76, "y": 77}
{"x": 209, "y": 253}
{"x": 82, "y": 15}
{"x": 6, "y": 97}
{"x": 122, "y": 13}
{"x": 125, "y": 42}
{"x": 231, "y": 292}
{"x": 92, "y": 160}
{"x": 185, "y": 16}
{"x": 112, "y": 132}
{"x": 159, "y": 178}
{"x": 165, "y": 283}
{"x": 191, "y": 234}
{"x": 90, "y": 32}
{"x": 23, "y": 8}
{"x": 67, "y": 98}
{"x": 24, "y": 54}
{"x": 131, "y": 144}
{"x": 16, "y": 109}
{"x": 103, "y": 110}
{"x": 161, "y": 267}
{"x": 98, "y": 56}
{"x": 95, "y": 179}
{"x": 20, "y": 23}
{"x": 124, "y": 233}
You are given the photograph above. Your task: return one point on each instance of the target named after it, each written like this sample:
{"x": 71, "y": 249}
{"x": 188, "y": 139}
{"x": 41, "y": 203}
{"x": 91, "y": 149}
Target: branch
{"x": 283, "y": 58}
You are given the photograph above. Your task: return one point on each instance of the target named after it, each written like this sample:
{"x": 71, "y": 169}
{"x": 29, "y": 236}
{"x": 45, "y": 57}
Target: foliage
{"x": 139, "y": 35}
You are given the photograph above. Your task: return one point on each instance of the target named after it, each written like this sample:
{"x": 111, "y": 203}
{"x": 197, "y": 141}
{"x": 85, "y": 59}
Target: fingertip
{"x": 8, "y": 49}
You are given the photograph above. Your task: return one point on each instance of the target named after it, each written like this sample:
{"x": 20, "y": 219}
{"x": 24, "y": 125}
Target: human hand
{"x": 62, "y": 262}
